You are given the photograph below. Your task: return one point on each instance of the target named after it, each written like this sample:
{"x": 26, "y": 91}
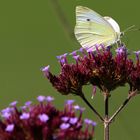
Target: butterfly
{"x": 92, "y": 29}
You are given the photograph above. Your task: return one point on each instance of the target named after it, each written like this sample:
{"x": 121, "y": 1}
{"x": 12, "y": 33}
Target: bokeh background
{"x": 32, "y": 34}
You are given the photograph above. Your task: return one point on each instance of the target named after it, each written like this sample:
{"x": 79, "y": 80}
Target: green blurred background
{"x": 32, "y": 35}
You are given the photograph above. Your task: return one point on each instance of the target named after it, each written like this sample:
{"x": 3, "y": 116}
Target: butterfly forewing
{"x": 91, "y": 28}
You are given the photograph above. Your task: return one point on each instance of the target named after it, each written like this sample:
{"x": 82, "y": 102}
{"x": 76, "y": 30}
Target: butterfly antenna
{"x": 131, "y": 28}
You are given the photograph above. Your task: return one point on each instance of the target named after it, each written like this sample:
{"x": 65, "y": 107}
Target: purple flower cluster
{"x": 44, "y": 122}
{"x": 100, "y": 68}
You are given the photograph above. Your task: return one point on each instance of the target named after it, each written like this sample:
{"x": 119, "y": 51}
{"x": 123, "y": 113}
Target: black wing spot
{"x": 88, "y": 19}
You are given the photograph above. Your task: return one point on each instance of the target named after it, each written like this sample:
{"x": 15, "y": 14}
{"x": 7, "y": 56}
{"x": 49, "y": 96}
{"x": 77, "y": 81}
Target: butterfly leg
{"x": 119, "y": 43}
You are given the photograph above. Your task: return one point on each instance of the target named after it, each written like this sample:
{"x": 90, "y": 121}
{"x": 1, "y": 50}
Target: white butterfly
{"x": 92, "y": 29}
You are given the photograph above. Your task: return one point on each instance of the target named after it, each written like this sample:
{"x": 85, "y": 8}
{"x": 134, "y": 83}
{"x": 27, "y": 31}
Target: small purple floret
{"x": 28, "y": 103}
{"x": 94, "y": 123}
{"x": 8, "y": 109}
{"x": 64, "y": 126}
{"x": 69, "y": 102}
{"x": 97, "y": 46}
{"x": 81, "y": 50}
{"x": 46, "y": 69}
{"x": 9, "y": 128}
{"x": 65, "y": 119}
{"x": 23, "y": 107}
{"x": 121, "y": 50}
{"x": 77, "y": 107}
{"x": 43, "y": 117}
{"x": 73, "y": 120}
{"x": 25, "y": 116}
{"x": 13, "y": 103}
{"x": 49, "y": 98}
{"x": 41, "y": 98}
{"x": 61, "y": 56}
{"x": 63, "y": 61}
{"x": 6, "y": 115}
{"x": 73, "y": 53}
{"x": 76, "y": 57}
{"x": 90, "y": 50}
{"x": 88, "y": 121}
{"x": 137, "y": 54}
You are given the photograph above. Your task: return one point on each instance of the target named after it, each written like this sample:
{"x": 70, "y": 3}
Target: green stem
{"x": 130, "y": 95}
{"x": 91, "y": 107}
{"x": 106, "y": 122}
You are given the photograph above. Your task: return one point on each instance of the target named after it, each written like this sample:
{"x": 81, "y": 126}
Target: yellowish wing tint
{"x": 91, "y": 28}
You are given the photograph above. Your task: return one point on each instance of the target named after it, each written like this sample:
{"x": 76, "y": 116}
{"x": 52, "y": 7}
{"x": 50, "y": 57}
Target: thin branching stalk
{"x": 130, "y": 95}
{"x": 91, "y": 107}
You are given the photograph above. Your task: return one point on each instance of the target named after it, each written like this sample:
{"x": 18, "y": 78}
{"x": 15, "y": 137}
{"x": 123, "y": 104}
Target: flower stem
{"x": 106, "y": 130}
{"x": 92, "y": 108}
{"x": 106, "y": 120}
{"x": 130, "y": 95}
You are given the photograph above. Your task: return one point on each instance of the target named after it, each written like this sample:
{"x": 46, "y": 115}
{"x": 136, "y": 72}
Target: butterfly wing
{"x": 91, "y": 28}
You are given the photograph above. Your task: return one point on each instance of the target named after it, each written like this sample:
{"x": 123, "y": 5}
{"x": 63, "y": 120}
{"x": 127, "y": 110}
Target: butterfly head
{"x": 121, "y": 34}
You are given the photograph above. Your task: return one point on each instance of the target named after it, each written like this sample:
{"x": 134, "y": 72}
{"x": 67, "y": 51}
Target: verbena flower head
{"x": 134, "y": 76}
{"x": 43, "y": 121}
{"x": 100, "y": 68}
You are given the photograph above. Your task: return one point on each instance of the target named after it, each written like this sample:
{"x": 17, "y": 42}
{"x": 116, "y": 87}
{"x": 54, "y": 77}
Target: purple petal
{"x": 6, "y": 115}
{"x": 64, "y": 126}
{"x": 45, "y": 69}
{"x": 121, "y": 50}
{"x": 65, "y": 54}
{"x": 94, "y": 123}
{"x": 23, "y": 107}
{"x": 88, "y": 121}
{"x": 25, "y": 116}
{"x": 41, "y": 98}
{"x": 13, "y": 103}
{"x": 74, "y": 53}
{"x": 63, "y": 61}
{"x": 81, "y": 50}
{"x": 8, "y": 109}
{"x": 76, "y": 57}
{"x": 28, "y": 103}
{"x": 9, "y": 128}
{"x": 69, "y": 102}
{"x": 58, "y": 57}
{"x": 92, "y": 49}
{"x": 43, "y": 117}
{"x": 49, "y": 98}
{"x": 102, "y": 46}
{"x": 77, "y": 107}
{"x": 73, "y": 120}
{"x": 65, "y": 119}
{"x": 137, "y": 54}
{"x": 61, "y": 56}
